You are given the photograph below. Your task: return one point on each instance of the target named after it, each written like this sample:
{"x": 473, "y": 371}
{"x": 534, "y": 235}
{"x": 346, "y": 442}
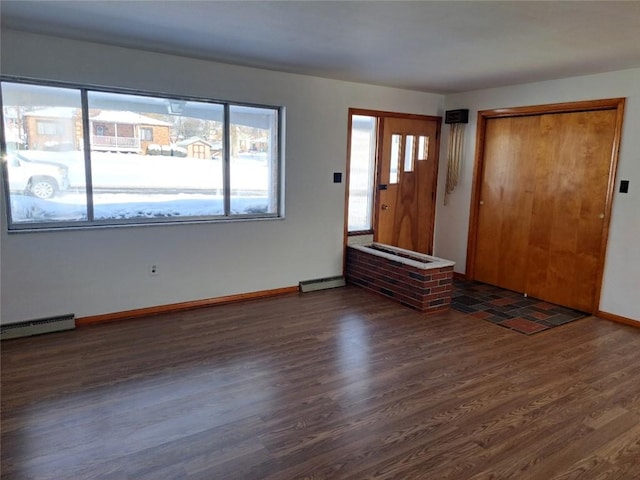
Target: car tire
{"x": 43, "y": 187}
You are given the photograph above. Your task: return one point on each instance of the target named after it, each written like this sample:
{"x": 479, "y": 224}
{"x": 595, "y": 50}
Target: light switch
{"x": 624, "y": 186}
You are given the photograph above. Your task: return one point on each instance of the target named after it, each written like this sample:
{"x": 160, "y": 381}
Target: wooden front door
{"x": 407, "y": 178}
{"x": 543, "y": 204}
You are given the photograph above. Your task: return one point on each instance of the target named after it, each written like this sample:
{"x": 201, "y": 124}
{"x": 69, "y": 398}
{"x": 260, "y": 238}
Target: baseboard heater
{"x": 321, "y": 284}
{"x": 38, "y": 327}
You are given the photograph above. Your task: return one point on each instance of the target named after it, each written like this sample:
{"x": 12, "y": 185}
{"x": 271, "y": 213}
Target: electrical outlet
{"x": 153, "y": 270}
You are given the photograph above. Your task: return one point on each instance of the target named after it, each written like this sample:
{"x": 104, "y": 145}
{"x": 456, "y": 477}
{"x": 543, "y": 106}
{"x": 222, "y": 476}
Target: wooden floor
{"x": 339, "y": 384}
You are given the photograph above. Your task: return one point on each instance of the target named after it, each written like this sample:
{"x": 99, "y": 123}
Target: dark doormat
{"x": 509, "y": 309}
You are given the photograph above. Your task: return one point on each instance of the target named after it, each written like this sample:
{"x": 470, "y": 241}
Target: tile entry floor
{"x": 509, "y": 309}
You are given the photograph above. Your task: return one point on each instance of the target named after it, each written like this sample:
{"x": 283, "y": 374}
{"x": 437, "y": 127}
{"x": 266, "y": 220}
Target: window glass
{"x": 52, "y": 128}
{"x": 76, "y": 157}
{"x": 42, "y": 130}
{"x": 134, "y": 177}
{"x": 361, "y": 172}
{"x": 146, "y": 133}
{"x": 253, "y": 140}
{"x": 394, "y": 167}
{"x": 423, "y": 147}
{"x": 409, "y": 153}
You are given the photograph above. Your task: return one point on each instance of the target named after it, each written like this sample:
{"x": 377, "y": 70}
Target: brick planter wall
{"x": 423, "y": 289}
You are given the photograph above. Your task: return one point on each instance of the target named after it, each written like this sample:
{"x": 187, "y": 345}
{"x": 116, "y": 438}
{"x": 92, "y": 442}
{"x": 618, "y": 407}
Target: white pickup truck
{"x": 40, "y": 179}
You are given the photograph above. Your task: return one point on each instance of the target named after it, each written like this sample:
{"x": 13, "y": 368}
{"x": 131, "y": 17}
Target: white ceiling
{"x": 435, "y": 46}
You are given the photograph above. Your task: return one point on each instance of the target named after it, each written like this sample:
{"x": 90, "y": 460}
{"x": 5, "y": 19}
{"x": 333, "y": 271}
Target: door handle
{"x": 384, "y": 206}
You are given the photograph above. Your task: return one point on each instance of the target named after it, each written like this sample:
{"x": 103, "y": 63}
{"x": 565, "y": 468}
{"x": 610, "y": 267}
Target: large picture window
{"x": 80, "y": 157}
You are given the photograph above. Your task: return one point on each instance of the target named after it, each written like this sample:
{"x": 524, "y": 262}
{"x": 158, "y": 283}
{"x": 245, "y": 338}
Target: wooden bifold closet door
{"x": 543, "y": 204}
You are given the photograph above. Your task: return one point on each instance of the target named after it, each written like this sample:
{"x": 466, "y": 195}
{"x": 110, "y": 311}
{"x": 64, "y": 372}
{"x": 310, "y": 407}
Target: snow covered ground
{"x": 129, "y": 206}
{"x": 129, "y": 187}
{"x": 249, "y": 172}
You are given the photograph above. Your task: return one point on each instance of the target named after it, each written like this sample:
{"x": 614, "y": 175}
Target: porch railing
{"x": 114, "y": 142}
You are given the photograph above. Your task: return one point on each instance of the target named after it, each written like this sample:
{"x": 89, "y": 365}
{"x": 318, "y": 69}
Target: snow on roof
{"x": 122, "y": 116}
{"x": 190, "y": 140}
{"x": 53, "y": 112}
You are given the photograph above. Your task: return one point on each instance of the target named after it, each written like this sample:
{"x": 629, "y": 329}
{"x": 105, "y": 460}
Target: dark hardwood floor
{"x": 338, "y": 384}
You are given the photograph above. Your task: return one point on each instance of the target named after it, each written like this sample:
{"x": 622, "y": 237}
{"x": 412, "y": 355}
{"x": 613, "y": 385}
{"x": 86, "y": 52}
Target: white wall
{"x": 621, "y": 283}
{"x": 99, "y": 271}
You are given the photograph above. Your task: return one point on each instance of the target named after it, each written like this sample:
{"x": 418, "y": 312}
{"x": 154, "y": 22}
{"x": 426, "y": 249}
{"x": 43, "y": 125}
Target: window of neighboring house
{"x": 362, "y": 157}
{"x": 48, "y": 127}
{"x": 115, "y": 179}
{"x": 146, "y": 134}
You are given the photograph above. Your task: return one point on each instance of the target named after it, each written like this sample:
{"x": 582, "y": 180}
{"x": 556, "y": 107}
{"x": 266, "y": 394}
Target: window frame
{"x": 148, "y": 132}
{"x": 91, "y": 222}
{"x": 42, "y": 130}
{"x": 374, "y": 180}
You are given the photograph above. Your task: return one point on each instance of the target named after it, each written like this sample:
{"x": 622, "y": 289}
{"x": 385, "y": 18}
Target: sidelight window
{"x": 361, "y": 172}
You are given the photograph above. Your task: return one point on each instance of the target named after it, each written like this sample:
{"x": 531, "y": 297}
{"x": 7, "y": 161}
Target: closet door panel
{"x": 543, "y": 200}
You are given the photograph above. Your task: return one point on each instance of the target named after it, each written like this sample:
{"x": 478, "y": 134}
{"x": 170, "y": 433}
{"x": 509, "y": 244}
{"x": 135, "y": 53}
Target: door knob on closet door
{"x": 384, "y": 206}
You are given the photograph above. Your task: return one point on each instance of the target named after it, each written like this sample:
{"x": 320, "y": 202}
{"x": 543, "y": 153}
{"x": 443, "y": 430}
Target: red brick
{"x": 429, "y": 292}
